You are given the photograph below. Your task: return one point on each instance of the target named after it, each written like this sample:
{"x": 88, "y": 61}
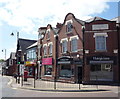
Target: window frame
{"x": 99, "y": 48}
{"x": 72, "y": 45}
{"x": 64, "y": 47}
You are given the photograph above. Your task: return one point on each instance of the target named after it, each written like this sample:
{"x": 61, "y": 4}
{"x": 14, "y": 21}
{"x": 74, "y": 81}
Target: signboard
{"x": 65, "y": 60}
{"x": 77, "y": 62}
{"x": 47, "y": 61}
{"x": 99, "y": 26}
{"x": 101, "y": 59}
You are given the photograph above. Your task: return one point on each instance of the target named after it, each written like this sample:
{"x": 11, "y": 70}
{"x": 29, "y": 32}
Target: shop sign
{"x": 101, "y": 59}
{"x": 99, "y": 26}
{"x": 77, "y": 62}
{"x": 65, "y": 60}
{"x": 47, "y": 61}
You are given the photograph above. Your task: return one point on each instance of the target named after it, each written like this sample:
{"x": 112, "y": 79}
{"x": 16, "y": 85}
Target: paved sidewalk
{"x": 41, "y": 85}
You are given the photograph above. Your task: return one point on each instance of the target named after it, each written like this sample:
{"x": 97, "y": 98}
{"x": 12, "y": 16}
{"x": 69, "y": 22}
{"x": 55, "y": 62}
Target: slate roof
{"x": 95, "y": 19}
{"x": 24, "y": 43}
{"x": 33, "y": 45}
{"x": 117, "y": 19}
{"x": 81, "y": 21}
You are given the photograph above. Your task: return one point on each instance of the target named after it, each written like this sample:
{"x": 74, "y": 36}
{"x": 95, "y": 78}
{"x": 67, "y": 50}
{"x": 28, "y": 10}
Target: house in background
{"x": 12, "y": 64}
{"x": 21, "y": 52}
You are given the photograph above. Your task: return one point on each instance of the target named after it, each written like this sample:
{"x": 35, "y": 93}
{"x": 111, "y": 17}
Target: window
{"x": 74, "y": 45}
{"x": 69, "y": 27}
{"x": 50, "y": 49}
{"x": 48, "y": 70}
{"x": 66, "y": 71}
{"x": 102, "y": 72}
{"x": 64, "y": 46}
{"x": 100, "y": 42}
{"x": 45, "y": 50}
{"x": 48, "y": 34}
{"x": 39, "y": 51}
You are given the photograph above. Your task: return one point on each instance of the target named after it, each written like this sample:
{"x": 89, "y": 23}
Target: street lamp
{"x": 18, "y": 55}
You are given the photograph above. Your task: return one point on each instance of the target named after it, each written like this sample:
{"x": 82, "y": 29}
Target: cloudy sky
{"x": 26, "y": 16}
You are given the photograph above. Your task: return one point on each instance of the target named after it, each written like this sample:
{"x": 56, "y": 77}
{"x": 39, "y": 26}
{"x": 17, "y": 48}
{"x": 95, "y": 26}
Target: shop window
{"x": 64, "y": 46}
{"x": 48, "y": 70}
{"x": 30, "y": 71}
{"x": 101, "y": 72}
{"x": 100, "y": 42}
{"x": 74, "y": 45}
{"x": 66, "y": 71}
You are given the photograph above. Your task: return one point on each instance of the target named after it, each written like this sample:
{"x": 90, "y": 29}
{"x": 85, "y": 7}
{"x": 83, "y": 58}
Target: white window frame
{"x": 72, "y": 38}
{"x": 45, "y": 45}
{"x": 50, "y": 49}
{"x": 100, "y": 34}
{"x": 68, "y": 22}
{"x": 65, "y": 46}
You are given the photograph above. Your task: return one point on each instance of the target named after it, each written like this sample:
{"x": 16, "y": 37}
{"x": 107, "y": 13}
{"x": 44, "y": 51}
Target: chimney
{"x": 59, "y": 25}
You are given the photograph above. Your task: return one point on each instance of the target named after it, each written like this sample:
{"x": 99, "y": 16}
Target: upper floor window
{"x": 45, "y": 50}
{"x": 50, "y": 49}
{"x": 74, "y": 46}
{"x": 64, "y": 46}
{"x": 100, "y": 41}
{"x": 31, "y": 54}
{"x": 69, "y": 27}
{"x": 48, "y": 34}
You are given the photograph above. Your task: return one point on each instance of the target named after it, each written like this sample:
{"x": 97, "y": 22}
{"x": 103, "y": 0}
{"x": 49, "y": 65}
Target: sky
{"x": 26, "y": 16}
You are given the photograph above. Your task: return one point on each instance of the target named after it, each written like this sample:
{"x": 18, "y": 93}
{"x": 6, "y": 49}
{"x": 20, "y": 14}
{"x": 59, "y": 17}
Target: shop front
{"x": 101, "y": 67}
{"x": 68, "y": 69}
{"x": 30, "y": 67}
{"x": 47, "y": 68}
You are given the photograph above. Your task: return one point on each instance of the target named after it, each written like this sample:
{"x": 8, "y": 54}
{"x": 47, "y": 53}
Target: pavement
{"x": 40, "y": 85}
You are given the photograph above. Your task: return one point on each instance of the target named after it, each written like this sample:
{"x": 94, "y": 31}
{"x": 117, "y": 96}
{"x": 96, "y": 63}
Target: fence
{"x": 55, "y": 85}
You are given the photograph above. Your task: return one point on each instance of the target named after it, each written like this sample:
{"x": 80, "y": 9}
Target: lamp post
{"x": 18, "y": 55}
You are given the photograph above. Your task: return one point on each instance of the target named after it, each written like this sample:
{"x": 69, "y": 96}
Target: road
{"x": 7, "y": 91}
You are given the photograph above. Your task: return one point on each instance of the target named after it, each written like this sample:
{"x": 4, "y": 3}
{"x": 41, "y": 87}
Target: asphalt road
{"x": 7, "y": 91}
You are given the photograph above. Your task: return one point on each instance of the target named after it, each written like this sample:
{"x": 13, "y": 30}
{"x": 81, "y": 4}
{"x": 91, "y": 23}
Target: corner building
{"x": 101, "y": 51}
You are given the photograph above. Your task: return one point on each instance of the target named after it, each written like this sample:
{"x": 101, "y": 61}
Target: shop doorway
{"x": 79, "y": 75}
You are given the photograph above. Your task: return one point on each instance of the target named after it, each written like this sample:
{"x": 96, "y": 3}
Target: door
{"x": 79, "y": 74}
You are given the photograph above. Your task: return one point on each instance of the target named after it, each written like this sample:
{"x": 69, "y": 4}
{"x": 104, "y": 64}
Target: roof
{"x": 24, "y": 43}
{"x": 94, "y": 19}
{"x": 81, "y": 21}
{"x": 117, "y": 19}
{"x": 33, "y": 45}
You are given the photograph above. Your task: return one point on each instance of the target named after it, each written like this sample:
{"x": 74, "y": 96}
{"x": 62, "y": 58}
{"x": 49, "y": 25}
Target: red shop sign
{"x": 47, "y": 61}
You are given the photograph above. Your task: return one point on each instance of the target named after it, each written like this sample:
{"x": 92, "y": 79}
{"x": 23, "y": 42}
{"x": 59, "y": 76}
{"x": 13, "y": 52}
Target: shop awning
{"x": 30, "y": 63}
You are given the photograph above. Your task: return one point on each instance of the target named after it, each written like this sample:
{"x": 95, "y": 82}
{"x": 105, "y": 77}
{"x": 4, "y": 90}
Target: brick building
{"x": 12, "y": 64}
{"x": 70, "y": 50}
{"x": 101, "y": 51}
{"x": 48, "y": 53}
{"x": 79, "y": 51}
